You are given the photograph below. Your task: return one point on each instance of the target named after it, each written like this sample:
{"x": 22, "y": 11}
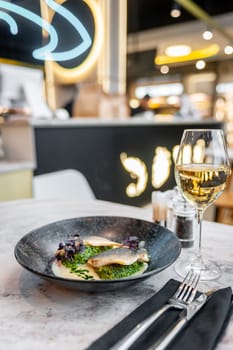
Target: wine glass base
{"x": 209, "y": 270}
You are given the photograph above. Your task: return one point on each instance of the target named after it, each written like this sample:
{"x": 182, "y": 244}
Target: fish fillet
{"x": 98, "y": 241}
{"x": 122, "y": 256}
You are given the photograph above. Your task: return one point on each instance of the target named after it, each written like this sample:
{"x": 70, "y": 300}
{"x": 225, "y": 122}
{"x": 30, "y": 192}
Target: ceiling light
{"x": 207, "y": 35}
{"x": 175, "y": 10}
{"x": 178, "y": 50}
{"x": 228, "y": 50}
{"x": 164, "y": 69}
{"x": 200, "y": 64}
{"x": 175, "y": 13}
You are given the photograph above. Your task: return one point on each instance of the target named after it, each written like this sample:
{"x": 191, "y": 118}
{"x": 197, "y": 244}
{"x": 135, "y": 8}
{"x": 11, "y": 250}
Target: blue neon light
{"x": 46, "y": 52}
{"x": 81, "y": 48}
{"x": 10, "y": 20}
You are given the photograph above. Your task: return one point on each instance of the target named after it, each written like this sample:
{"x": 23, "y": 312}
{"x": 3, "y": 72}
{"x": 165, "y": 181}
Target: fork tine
{"x": 183, "y": 284}
{"x": 187, "y": 290}
{"x": 192, "y": 289}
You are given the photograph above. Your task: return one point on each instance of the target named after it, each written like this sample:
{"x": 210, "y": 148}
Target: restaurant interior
{"x": 116, "y": 174}
{"x": 103, "y": 91}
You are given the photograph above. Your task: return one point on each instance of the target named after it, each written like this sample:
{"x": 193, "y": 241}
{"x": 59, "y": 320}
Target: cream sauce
{"x": 60, "y": 270}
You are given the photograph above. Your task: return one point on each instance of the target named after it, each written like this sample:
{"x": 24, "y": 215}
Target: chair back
{"x": 63, "y": 184}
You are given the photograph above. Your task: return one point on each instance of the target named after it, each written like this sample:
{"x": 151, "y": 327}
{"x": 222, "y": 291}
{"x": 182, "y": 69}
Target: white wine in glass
{"x": 201, "y": 171}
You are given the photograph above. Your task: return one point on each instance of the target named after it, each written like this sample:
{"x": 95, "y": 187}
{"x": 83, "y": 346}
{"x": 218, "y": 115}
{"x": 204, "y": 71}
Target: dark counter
{"x": 95, "y": 149}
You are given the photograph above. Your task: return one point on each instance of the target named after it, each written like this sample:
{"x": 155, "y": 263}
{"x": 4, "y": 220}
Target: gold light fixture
{"x": 199, "y": 13}
{"x": 206, "y": 52}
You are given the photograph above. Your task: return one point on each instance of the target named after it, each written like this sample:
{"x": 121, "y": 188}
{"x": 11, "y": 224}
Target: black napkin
{"x": 203, "y": 331}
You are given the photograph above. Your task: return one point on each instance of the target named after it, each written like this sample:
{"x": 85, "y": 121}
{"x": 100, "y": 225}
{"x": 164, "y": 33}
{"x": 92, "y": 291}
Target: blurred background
{"x": 116, "y": 109}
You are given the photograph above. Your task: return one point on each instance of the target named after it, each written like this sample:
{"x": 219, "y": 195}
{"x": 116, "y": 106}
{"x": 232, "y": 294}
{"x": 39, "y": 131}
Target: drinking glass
{"x": 201, "y": 172}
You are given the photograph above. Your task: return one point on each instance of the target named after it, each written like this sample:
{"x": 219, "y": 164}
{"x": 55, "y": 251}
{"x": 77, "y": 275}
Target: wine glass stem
{"x": 199, "y": 228}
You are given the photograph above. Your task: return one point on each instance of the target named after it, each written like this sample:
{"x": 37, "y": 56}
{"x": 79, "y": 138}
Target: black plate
{"x": 35, "y": 249}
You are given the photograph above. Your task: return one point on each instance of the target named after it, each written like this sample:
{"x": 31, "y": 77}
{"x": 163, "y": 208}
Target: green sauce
{"x": 115, "y": 271}
{"x": 81, "y": 258}
{"x": 109, "y": 272}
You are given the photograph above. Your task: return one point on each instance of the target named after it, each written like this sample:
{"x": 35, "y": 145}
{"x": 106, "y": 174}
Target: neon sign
{"x": 161, "y": 166}
{"x": 47, "y": 52}
{"x": 161, "y": 169}
{"x": 137, "y": 170}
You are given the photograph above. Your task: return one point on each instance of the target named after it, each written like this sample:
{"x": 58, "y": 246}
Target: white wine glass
{"x": 201, "y": 171}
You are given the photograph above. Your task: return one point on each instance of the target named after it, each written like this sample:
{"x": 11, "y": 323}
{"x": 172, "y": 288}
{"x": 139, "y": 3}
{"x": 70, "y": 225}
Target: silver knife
{"x": 186, "y": 315}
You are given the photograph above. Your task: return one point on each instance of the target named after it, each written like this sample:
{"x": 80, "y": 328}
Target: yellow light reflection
{"x": 161, "y": 166}
{"x": 138, "y": 171}
{"x": 175, "y": 153}
{"x": 187, "y": 154}
{"x": 199, "y": 152}
{"x": 76, "y": 74}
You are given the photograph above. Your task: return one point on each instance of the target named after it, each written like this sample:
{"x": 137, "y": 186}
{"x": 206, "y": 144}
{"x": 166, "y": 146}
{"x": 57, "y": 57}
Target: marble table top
{"x": 35, "y": 314}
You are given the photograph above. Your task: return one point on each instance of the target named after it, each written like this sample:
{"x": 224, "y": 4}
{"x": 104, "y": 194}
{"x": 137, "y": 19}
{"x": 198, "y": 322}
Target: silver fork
{"x": 183, "y": 296}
